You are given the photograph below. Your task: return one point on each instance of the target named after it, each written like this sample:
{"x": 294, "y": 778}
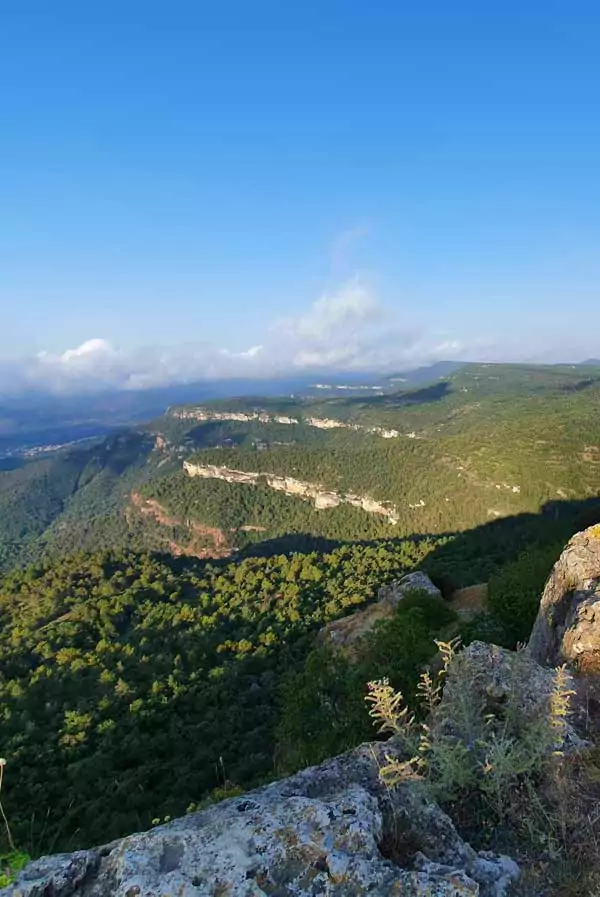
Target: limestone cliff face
{"x": 200, "y": 414}
{"x": 322, "y": 497}
{"x": 567, "y": 628}
{"x": 263, "y": 417}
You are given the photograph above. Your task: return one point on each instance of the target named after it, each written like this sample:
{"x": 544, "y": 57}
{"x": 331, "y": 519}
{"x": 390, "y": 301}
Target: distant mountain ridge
{"x": 447, "y": 455}
{"x": 37, "y": 419}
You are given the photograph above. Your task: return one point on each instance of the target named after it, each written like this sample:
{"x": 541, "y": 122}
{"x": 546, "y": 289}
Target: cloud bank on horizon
{"x": 347, "y": 330}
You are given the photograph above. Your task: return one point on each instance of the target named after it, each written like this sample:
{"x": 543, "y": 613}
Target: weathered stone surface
{"x": 395, "y": 591}
{"x": 470, "y": 600}
{"x": 493, "y": 674}
{"x": 567, "y": 628}
{"x": 343, "y": 635}
{"x": 320, "y": 832}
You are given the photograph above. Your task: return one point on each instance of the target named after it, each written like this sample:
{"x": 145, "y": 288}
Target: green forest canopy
{"x": 134, "y": 684}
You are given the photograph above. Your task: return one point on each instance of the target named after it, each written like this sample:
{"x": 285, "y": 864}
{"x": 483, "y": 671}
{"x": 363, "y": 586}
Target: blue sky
{"x": 339, "y": 183}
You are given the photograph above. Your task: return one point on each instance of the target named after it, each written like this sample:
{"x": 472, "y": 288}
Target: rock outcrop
{"x": 412, "y": 582}
{"x": 495, "y": 675}
{"x": 343, "y": 635}
{"x": 567, "y": 628}
{"x": 329, "y": 830}
{"x": 323, "y": 498}
{"x": 263, "y": 417}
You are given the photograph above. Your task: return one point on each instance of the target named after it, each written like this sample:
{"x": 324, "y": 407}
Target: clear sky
{"x": 294, "y": 176}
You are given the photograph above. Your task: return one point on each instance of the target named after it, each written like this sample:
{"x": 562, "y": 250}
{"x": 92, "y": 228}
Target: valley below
{"x": 471, "y": 447}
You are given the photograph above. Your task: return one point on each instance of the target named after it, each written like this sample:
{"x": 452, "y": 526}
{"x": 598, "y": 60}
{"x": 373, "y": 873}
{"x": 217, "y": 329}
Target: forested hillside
{"x": 73, "y": 499}
{"x": 483, "y": 443}
{"x": 487, "y": 442}
{"x": 132, "y": 685}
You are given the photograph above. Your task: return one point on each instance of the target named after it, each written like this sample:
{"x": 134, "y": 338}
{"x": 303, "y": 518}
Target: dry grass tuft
{"x": 503, "y": 773}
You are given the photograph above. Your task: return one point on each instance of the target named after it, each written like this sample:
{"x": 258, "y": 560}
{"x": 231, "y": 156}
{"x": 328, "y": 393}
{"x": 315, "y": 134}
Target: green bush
{"x": 10, "y": 866}
{"x": 323, "y": 710}
{"x": 515, "y": 592}
{"x": 494, "y": 764}
{"x": 485, "y": 627}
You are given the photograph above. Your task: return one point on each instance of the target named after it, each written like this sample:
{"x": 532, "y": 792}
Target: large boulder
{"x": 412, "y": 582}
{"x": 343, "y": 635}
{"x": 330, "y": 830}
{"x": 567, "y": 628}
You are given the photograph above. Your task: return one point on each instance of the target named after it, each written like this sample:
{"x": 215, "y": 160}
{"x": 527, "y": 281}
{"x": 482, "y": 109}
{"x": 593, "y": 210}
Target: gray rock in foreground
{"x": 320, "y": 832}
{"x": 567, "y": 628}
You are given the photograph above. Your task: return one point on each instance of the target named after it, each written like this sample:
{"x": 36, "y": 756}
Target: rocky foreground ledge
{"x": 323, "y": 831}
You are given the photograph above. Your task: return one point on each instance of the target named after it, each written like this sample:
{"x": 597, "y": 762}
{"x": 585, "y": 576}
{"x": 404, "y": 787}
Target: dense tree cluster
{"x": 323, "y": 707}
{"x": 132, "y": 685}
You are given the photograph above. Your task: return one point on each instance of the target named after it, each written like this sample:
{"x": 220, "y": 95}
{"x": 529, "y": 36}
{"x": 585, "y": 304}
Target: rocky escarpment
{"x": 344, "y": 634}
{"x": 202, "y": 541}
{"x": 263, "y": 417}
{"x": 328, "y": 830}
{"x": 567, "y": 628}
{"x": 335, "y": 829}
{"x": 322, "y": 497}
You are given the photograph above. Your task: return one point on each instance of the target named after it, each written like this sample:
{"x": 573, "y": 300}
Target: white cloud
{"x": 252, "y": 352}
{"x": 332, "y": 314}
{"x": 90, "y": 347}
{"x": 347, "y": 329}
